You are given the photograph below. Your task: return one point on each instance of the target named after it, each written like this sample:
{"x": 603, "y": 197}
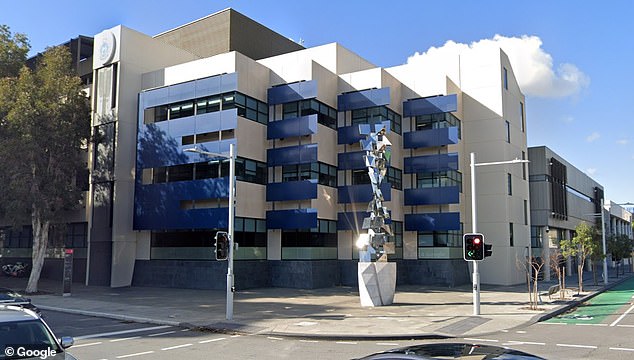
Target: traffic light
{"x": 488, "y": 250}
{"x": 222, "y": 245}
{"x": 473, "y": 247}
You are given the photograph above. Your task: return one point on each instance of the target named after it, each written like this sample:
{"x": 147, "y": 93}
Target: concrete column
{"x": 546, "y": 253}
{"x": 568, "y": 260}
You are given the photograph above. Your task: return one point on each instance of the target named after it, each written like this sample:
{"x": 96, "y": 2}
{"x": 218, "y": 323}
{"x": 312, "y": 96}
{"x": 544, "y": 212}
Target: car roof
{"x": 15, "y": 313}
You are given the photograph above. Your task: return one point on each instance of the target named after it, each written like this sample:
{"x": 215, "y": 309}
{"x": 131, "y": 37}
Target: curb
{"x": 114, "y": 316}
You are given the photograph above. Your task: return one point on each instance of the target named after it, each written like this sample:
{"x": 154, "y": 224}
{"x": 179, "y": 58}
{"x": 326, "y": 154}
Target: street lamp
{"x": 474, "y": 226}
{"x": 232, "y": 207}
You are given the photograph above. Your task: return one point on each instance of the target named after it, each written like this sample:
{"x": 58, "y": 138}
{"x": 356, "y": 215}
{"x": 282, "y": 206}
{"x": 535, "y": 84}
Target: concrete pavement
{"x": 417, "y": 312}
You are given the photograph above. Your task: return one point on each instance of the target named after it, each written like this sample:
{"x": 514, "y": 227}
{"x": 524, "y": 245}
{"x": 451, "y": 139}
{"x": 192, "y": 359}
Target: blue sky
{"x": 582, "y": 110}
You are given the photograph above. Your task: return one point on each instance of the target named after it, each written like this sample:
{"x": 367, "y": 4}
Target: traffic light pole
{"x": 232, "y": 209}
{"x": 474, "y": 229}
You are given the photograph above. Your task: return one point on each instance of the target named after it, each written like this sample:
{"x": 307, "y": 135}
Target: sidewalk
{"x": 417, "y": 312}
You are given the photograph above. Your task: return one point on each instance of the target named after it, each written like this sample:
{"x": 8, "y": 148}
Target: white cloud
{"x": 623, "y": 141}
{"x": 591, "y": 171}
{"x": 592, "y": 137}
{"x": 532, "y": 65}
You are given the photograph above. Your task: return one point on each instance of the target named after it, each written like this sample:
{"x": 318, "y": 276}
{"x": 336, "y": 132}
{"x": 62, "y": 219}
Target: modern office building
{"x": 561, "y": 197}
{"x": 302, "y": 185}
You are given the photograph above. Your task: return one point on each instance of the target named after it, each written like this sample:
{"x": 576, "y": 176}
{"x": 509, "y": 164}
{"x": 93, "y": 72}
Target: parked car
{"x": 452, "y": 351}
{"x": 25, "y": 335}
{"x": 10, "y": 297}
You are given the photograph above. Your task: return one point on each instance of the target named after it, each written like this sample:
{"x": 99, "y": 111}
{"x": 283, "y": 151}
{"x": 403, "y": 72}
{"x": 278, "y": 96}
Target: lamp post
{"x": 474, "y": 225}
{"x": 232, "y": 208}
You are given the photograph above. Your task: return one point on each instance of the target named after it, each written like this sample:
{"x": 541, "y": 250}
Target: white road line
{"x": 387, "y": 344}
{"x": 89, "y": 344}
{"x": 621, "y": 349}
{"x": 274, "y": 338}
{"x": 551, "y": 323}
{"x": 521, "y": 332}
{"x": 185, "y": 330}
{"x": 514, "y": 342}
{"x": 591, "y": 324}
{"x": 176, "y": 347}
{"x": 135, "y": 354}
{"x": 234, "y": 336}
{"x": 124, "y": 339}
{"x": 577, "y": 346}
{"x": 626, "y": 325}
{"x": 309, "y": 341}
{"x": 121, "y": 332}
{"x": 210, "y": 340}
{"x": 163, "y": 333}
{"x": 485, "y": 340}
{"x": 346, "y": 342}
{"x": 622, "y": 316}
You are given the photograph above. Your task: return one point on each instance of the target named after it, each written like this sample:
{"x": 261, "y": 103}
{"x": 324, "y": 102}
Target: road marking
{"x": 124, "y": 339}
{"x": 577, "y": 346}
{"x": 551, "y": 323}
{"x": 274, "y": 338}
{"x": 210, "y": 340}
{"x": 622, "y": 316}
{"x": 121, "y": 332}
{"x": 591, "y": 324}
{"x": 521, "y": 332}
{"x": 89, "y": 344}
{"x": 185, "y": 330}
{"x": 234, "y": 336}
{"x": 514, "y": 342}
{"x": 309, "y": 341}
{"x": 485, "y": 340}
{"x": 621, "y": 349}
{"x": 135, "y": 354}
{"x": 346, "y": 342}
{"x": 626, "y": 325}
{"x": 387, "y": 344}
{"x": 163, "y": 333}
{"x": 176, "y": 347}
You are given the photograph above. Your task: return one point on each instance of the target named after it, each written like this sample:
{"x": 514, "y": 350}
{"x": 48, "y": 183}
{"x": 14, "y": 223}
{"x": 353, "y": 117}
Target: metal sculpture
{"x": 378, "y": 153}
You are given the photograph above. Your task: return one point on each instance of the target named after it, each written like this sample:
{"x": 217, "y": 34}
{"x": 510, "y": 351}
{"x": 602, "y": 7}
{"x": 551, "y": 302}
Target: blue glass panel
{"x": 291, "y": 219}
{"x": 431, "y": 137}
{"x": 303, "y": 125}
{"x": 182, "y": 126}
{"x": 158, "y": 206}
{"x": 432, "y": 196}
{"x": 291, "y": 155}
{"x": 432, "y": 222}
{"x": 182, "y": 91}
{"x": 216, "y": 84}
{"x": 430, "y": 105}
{"x": 291, "y": 190}
{"x": 362, "y": 193}
{"x": 216, "y": 121}
{"x": 351, "y": 160}
{"x": 153, "y": 98}
{"x": 430, "y": 163}
{"x": 292, "y": 92}
{"x": 156, "y": 147}
{"x": 349, "y": 135}
{"x": 363, "y": 99}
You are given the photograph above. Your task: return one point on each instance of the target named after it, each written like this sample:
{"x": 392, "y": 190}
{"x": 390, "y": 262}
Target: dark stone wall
{"x": 441, "y": 272}
{"x": 191, "y": 274}
{"x": 304, "y": 274}
{"x": 54, "y": 268}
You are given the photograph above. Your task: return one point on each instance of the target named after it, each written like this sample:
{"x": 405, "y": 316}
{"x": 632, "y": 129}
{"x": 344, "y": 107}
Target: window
{"x": 208, "y": 104}
{"x": 449, "y": 238}
{"x": 324, "y": 174}
{"x": 438, "y": 121}
{"x": 536, "y": 236}
{"x": 525, "y": 212}
{"x": 509, "y": 184}
{"x": 439, "y": 179}
{"x": 182, "y": 109}
{"x": 506, "y": 78}
{"x": 180, "y": 172}
{"x": 523, "y": 165}
{"x": 377, "y": 114}
{"x": 76, "y": 235}
{"x": 510, "y": 234}
{"x": 394, "y": 177}
{"x": 522, "y": 124}
{"x": 246, "y": 170}
{"x": 316, "y": 243}
{"x": 507, "y": 127}
{"x": 326, "y": 115}
{"x": 360, "y": 176}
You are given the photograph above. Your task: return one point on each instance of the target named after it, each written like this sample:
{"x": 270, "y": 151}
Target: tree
{"x": 620, "y": 246}
{"x": 583, "y": 245}
{"x": 44, "y": 127}
{"x": 13, "y": 51}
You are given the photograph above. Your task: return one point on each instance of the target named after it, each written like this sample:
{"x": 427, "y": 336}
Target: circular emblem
{"x": 106, "y": 48}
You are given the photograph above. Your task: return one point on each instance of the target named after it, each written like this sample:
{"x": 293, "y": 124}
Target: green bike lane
{"x": 600, "y": 307}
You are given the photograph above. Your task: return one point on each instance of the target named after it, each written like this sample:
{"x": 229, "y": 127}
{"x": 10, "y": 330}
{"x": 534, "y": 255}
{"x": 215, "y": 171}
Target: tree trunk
{"x": 594, "y": 273}
{"x": 580, "y": 276}
{"x": 40, "y": 243}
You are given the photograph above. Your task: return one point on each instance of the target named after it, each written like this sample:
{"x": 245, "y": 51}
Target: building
{"x": 302, "y": 186}
{"x": 561, "y": 197}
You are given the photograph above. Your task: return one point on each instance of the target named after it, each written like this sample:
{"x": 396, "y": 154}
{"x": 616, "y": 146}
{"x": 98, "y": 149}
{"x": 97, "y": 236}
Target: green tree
{"x": 13, "y": 51}
{"x": 620, "y": 246}
{"x": 583, "y": 245}
{"x": 44, "y": 128}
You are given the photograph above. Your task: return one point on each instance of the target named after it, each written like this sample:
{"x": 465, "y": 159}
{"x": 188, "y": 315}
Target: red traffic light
{"x": 477, "y": 241}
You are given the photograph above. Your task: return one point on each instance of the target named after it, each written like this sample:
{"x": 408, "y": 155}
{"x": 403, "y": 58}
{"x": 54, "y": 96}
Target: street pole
{"x": 232, "y": 208}
{"x": 605, "y": 257}
{"x": 474, "y": 229}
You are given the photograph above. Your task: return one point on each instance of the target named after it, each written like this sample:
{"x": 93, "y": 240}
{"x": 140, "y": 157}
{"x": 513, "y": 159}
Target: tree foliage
{"x": 13, "y": 51}
{"x": 583, "y": 245}
{"x": 44, "y": 127}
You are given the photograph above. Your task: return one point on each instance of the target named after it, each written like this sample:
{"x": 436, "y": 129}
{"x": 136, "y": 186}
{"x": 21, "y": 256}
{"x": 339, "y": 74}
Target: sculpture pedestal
{"x": 377, "y": 283}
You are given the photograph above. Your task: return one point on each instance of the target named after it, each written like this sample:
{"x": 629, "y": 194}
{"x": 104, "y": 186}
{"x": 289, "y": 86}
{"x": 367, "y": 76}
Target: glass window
{"x": 182, "y": 109}
{"x": 205, "y": 170}
{"x": 522, "y": 123}
{"x": 181, "y": 172}
{"x": 507, "y": 127}
{"x": 510, "y": 234}
{"x": 509, "y": 184}
{"x": 207, "y": 105}
{"x": 159, "y": 175}
{"x": 506, "y": 78}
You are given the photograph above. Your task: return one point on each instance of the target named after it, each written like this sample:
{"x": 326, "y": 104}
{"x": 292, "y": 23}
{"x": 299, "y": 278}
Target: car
{"x": 25, "y": 335}
{"x": 10, "y": 297}
{"x": 452, "y": 351}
